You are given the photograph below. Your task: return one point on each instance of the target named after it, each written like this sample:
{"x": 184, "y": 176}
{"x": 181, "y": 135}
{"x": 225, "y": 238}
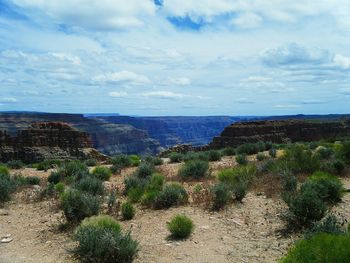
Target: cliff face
{"x": 42, "y": 141}
{"x": 170, "y": 131}
{"x": 106, "y": 137}
{"x": 280, "y": 131}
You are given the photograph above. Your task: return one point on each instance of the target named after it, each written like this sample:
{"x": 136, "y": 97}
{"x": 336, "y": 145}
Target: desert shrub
{"x": 289, "y": 182}
{"x": 328, "y": 187}
{"x": 241, "y": 159}
{"x": 7, "y": 186}
{"x": 145, "y": 170}
{"x": 121, "y": 161}
{"x": 156, "y": 182}
{"x": 268, "y": 165}
{"x": 305, "y": 208}
{"x": 250, "y": 148}
{"x": 91, "y": 162}
{"x": 149, "y": 197}
{"x": 194, "y": 169}
{"x": 103, "y": 173}
{"x": 135, "y": 182}
{"x": 48, "y": 191}
{"x": 301, "y": 160}
{"x": 54, "y": 177}
{"x": 204, "y": 156}
{"x": 172, "y": 194}
{"x": 135, "y": 160}
{"x": 324, "y": 152}
{"x": 214, "y": 156}
{"x": 345, "y": 152}
{"x": 176, "y": 157}
{"x": 43, "y": 166}
{"x": 16, "y": 164}
{"x": 112, "y": 201}
{"x": 260, "y": 157}
{"x": 77, "y": 205}
{"x": 154, "y": 160}
{"x": 337, "y": 166}
{"x": 221, "y": 195}
{"x": 101, "y": 240}
{"x": 4, "y": 170}
{"x": 232, "y": 176}
{"x": 32, "y": 180}
{"x": 240, "y": 190}
{"x": 115, "y": 169}
{"x": 180, "y": 226}
{"x": 59, "y": 188}
{"x": 75, "y": 169}
{"x": 329, "y": 224}
{"x": 189, "y": 156}
{"x": 91, "y": 185}
{"x": 135, "y": 194}
{"x": 273, "y": 153}
{"x": 128, "y": 211}
{"x": 229, "y": 151}
{"x": 320, "y": 248}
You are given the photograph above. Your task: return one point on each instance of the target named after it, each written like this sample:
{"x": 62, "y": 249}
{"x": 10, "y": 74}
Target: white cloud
{"x": 247, "y": 20}
{"x": 8, "y": 100}
{"x": 117, "y": 94}
{"x": 67, "y": 57}
{"x": 341, "y": 61}
{"x": 122, "y": 76}
{"x": 286, "y": 106}
{"x": 163, "y": 95}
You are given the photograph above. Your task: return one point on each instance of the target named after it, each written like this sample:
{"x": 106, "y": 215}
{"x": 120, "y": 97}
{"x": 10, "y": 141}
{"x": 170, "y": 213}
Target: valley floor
{"x": 247, "y": 232}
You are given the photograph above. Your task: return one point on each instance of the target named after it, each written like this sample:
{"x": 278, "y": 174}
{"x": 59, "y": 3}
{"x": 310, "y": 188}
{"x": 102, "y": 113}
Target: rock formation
{"x": 47, "y": 140}
{"x": 280, "y": 131}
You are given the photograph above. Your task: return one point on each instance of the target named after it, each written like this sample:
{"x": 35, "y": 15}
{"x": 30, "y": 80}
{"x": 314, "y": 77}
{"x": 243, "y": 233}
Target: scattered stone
{"x": 6, "y": 239}
{"x": 4, "y": 212}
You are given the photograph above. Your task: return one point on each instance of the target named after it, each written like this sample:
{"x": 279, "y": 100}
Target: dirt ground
{"x": 243, "y": 232}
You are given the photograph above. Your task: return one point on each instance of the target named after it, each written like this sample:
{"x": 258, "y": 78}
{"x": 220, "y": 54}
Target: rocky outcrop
{"x": 48, "y": 140}
{"x": 280, "y": 131}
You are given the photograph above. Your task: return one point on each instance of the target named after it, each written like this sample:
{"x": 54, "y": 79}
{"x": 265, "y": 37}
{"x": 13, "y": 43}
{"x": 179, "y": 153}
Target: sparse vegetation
{"x": 241, "y": 159}
{"x": 91, "y": 185}
{"x": 172, "y": 194}
{"x": 194, "y": 169}
{"x": 16, "y": 164}
{"x": 180, "y": 226}
{"x": 176, "y": 157}
{"x": 214, "y": 156}
{"x": 128, "y": 211}
{"x": 221, "y": 195}
{"x": 100, "y": 240}
{"x": 103, "y": 173}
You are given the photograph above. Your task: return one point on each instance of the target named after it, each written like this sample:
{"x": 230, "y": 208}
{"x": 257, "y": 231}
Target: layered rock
{"x": 280, "y": 131}
{"x": 43, "y": 141}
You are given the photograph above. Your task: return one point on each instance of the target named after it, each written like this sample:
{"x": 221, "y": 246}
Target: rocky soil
{"x": 243, "y": 232}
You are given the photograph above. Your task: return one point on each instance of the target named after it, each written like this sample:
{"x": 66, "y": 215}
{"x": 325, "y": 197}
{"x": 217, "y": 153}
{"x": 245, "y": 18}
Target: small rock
{"x": 6, "y": 240}
{"x": 4, "y": 212}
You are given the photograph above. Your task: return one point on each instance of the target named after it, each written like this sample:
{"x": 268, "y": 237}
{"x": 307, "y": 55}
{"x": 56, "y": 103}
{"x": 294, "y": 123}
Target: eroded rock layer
{"x": 280, "y": 131}
{"x": 47, "y": 140}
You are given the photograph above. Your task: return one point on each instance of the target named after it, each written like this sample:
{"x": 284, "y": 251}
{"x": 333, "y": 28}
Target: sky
{"x": 175, "y": 57}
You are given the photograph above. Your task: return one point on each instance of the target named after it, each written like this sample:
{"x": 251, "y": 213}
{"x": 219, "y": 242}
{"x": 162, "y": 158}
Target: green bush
{"x": 4, "y": 170}
{"x": 149, "y": 197}
{"x": 74, "y": 169}
{"x": 260, "y": 157}
{"x": 180, "y": 226}
{"x": 135, "y": 160}
{"x": 103, "y": 173}
{"x": 221, "y": 195}
{"x": 176, "y": 157}
{"x": 128, "y": 211}
{"x": 214, "y": 156}
{"x": 241, "y": 159}
{"x": 301, "y": 160}
{"x": 154, "y": 160}
{"x": 345, "y": 152}
{"x": 232, "y": 176}
{"x": 145, "y": 170}
{"x": 121, "y": 161}
{"x": 59, "y": 188}
{"x": 115, "y": 169}
{"x": 320, "y": 248}
{"x": 43, "y": 166}
{"x": 101, "y": 240}
{"x": 77, "y": 205}
{"x": 7, "y": 186}
{"x": 54, "y": 177}
{"x": 328, "y": 187}
{"x": 329, "y": 224}
{"x": 240, "y": 190}
{"x": 229, "y": 151}
{"x": 194, "y": 169}
{"x": 91, "y": 162}
{"x": 337, "y": 166}
{"x": 305, "y": 208}
{"x": 135, "y": 194}
{"x": 91, "y": 185}
{"x": 32, "y": 180}
{"x": 135, "y": 182}
{"x": 172, "y": 194}
{"x": 251, "y": 148}
{"x": 324, "y": 152}
{"x": 16, "y": 164}
{"x": 156, "y": 182}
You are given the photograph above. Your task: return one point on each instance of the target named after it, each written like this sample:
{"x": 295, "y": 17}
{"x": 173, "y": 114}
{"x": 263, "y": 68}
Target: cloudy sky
{"x": 175, "y": 57}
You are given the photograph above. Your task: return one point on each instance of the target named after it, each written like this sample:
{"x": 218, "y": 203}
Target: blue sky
{"x": 175, "y": 57}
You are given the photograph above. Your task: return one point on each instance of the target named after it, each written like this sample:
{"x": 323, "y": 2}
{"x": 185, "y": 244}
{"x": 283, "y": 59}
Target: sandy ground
{"x": 246, "y": 232}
